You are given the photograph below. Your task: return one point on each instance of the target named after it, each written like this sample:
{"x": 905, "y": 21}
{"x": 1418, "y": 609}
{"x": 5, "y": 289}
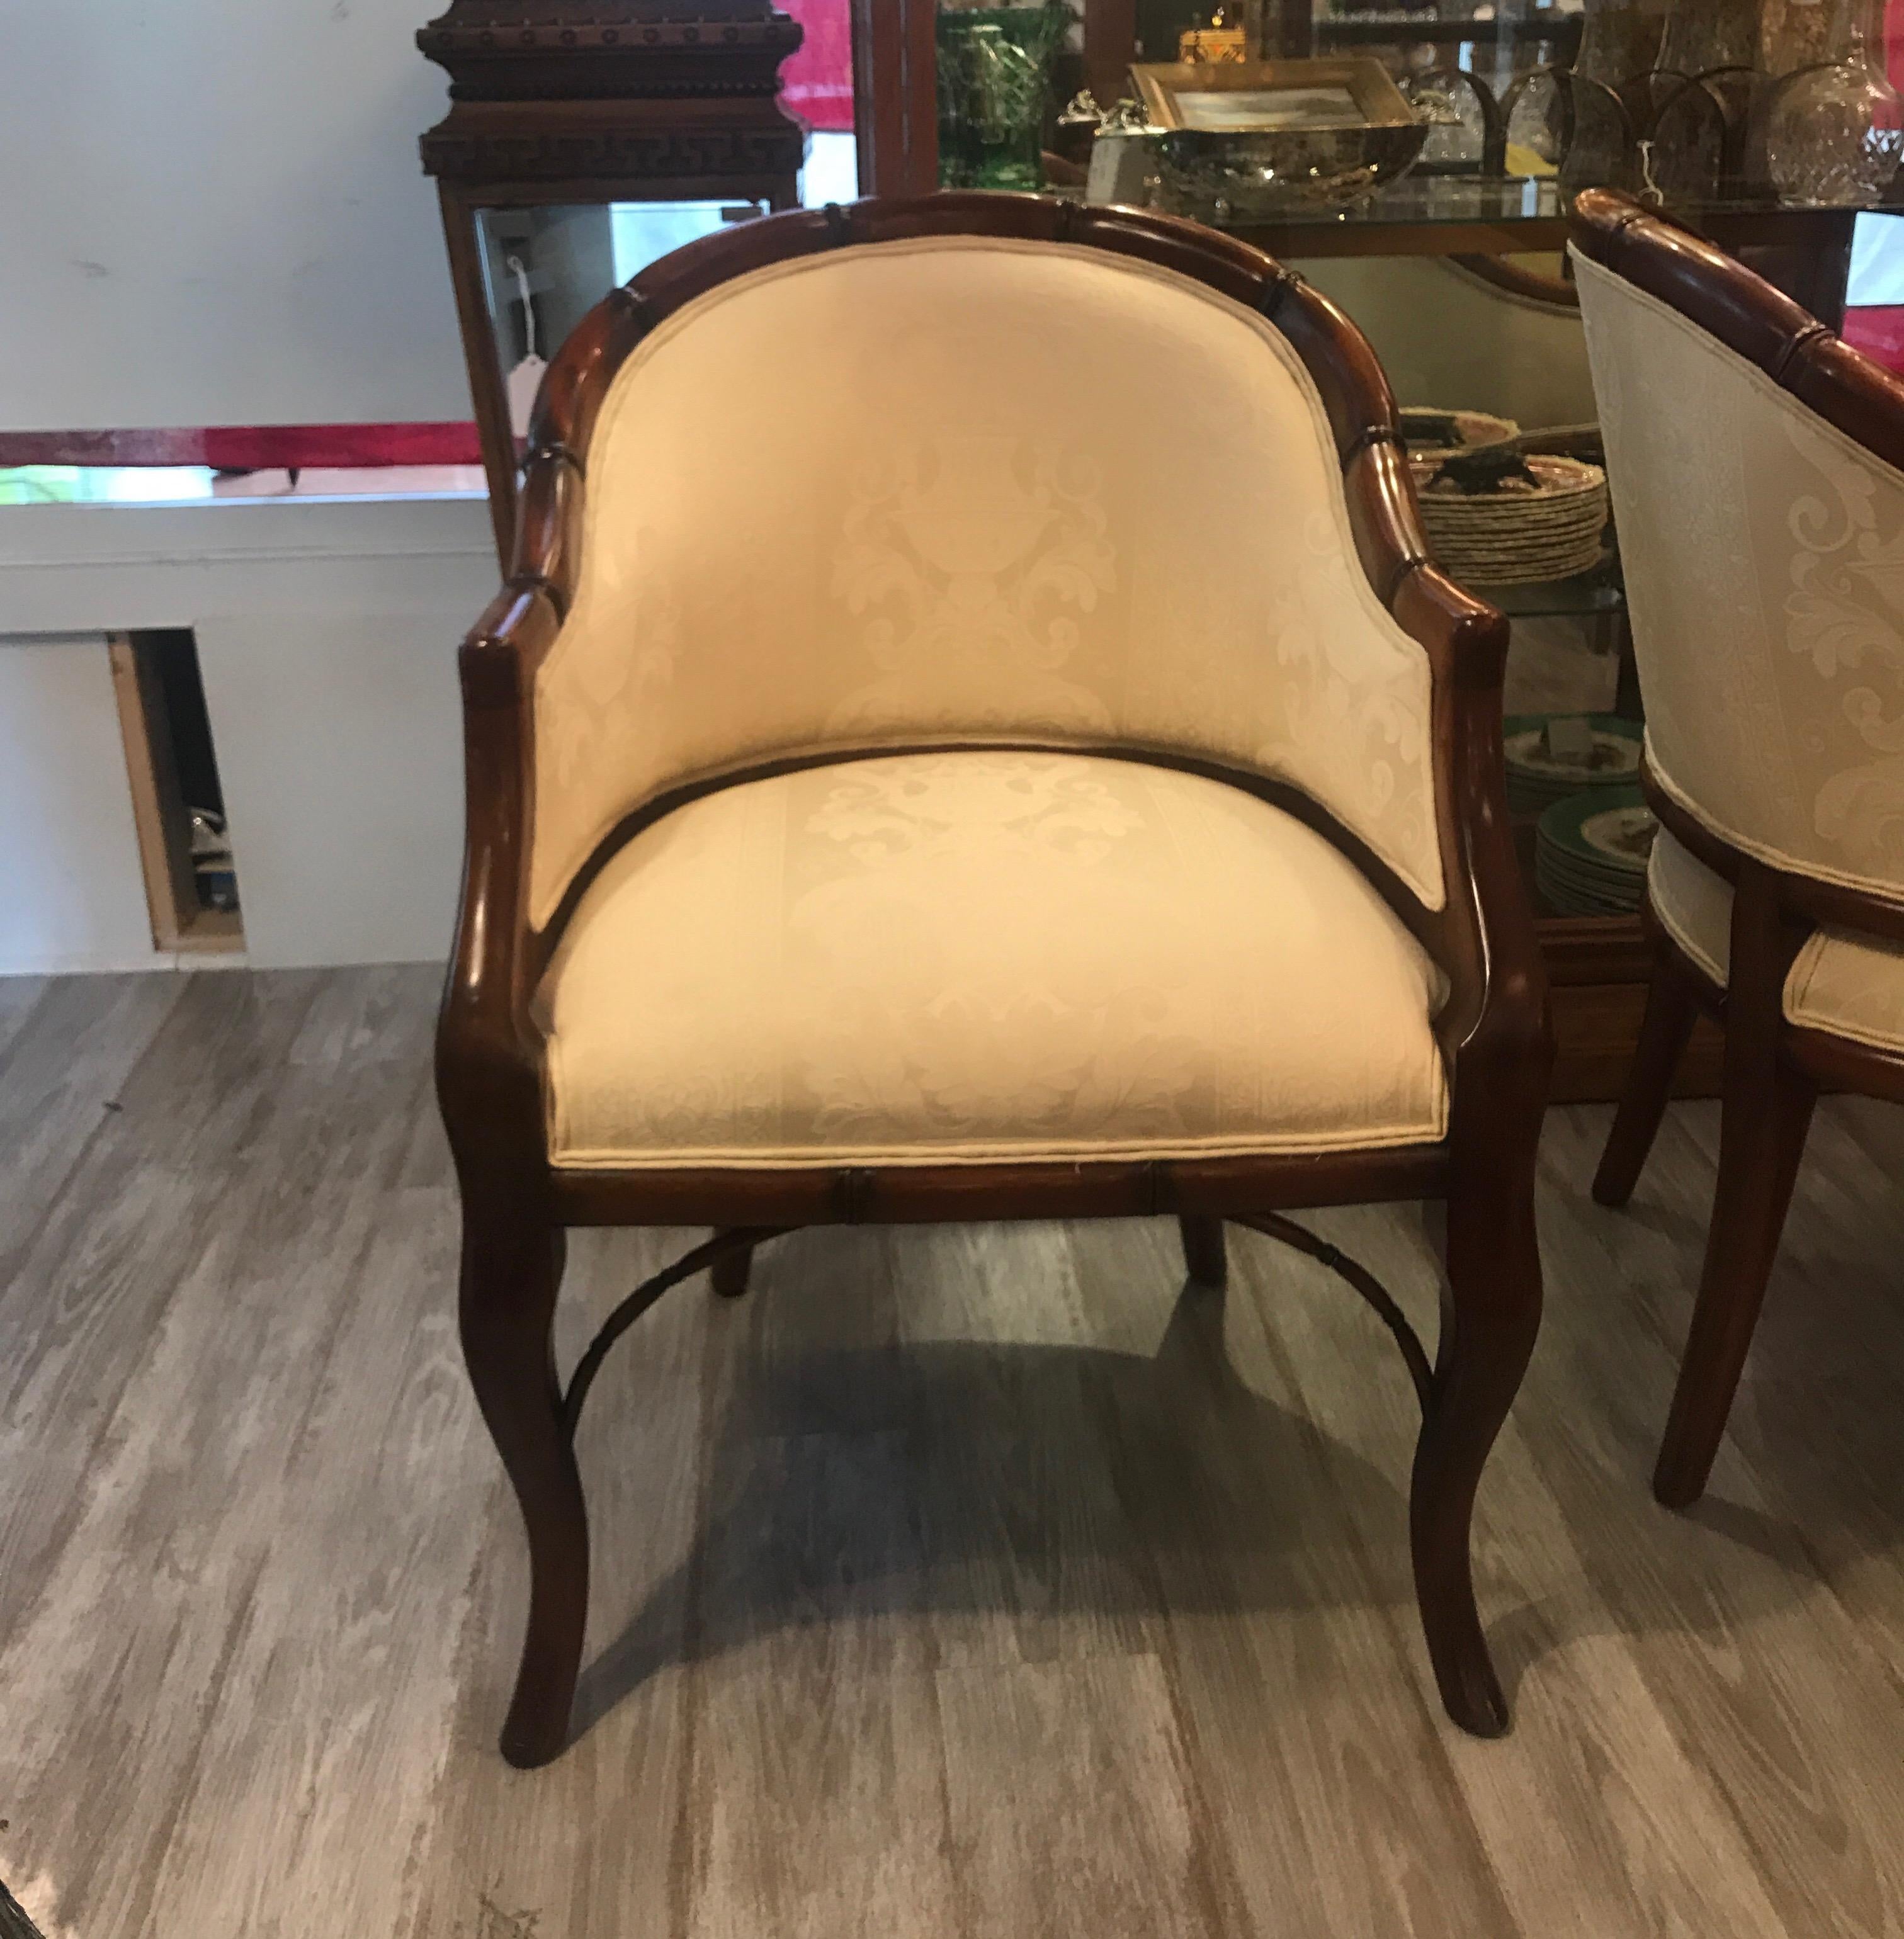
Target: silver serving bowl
{"x": 1262, "y": 174}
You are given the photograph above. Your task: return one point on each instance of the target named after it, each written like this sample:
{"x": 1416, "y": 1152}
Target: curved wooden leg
{"x": 1761, "y": 1140}
{"x": 1206, "y": 1257}
{"x": 1767, "y": 1112}
{"x": 1671, "y": 1007}
{"x": 512, "y": 1270}
{"x": 1490, "y": 1314}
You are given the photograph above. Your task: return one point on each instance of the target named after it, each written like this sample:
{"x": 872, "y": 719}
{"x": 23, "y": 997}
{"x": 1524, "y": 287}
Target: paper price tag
{"x": 526, "y": 378}
{"x": 1570, "y": 737}
{"x": 524, "y": 382}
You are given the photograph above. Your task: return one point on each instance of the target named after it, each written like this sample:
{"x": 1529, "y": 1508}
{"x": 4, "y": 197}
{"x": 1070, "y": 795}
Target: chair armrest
{"x": 1483, "y": 937}
{"x": 489, "y": 1049}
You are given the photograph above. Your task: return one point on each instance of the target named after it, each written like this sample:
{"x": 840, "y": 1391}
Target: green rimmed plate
{"x": 1591, "y": 851}
{"x": 1537, "y": 778}
{"x": 1567, "y": 896}
{"x": 1606, "y": 832}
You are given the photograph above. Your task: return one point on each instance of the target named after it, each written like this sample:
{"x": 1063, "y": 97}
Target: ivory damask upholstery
{"x": 1849, "y": 985}
{"x": 1094, "y": 511}
{"x": 1764, "y": 556}
{"x": 971, "y": 730}
{"x": 964, "y": 956}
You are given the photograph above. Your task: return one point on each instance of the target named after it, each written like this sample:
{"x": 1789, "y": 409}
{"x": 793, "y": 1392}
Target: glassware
{"x": 1449, "y": 100}
{"x": 996, "y": 73}
{"x": 1835, "y": 131}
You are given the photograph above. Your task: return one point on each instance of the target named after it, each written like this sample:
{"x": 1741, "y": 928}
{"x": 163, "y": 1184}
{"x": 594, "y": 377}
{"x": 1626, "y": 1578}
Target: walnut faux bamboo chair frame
{"x": 1774, "y": 1067}
{"x": 1494, "y": 1029}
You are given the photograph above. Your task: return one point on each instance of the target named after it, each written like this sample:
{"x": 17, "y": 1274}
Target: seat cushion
{"x": 964, "y": 956}
{"x": 1851, "y": 986}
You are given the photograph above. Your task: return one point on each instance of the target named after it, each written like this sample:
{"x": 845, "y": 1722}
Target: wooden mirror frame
{"x": 553, "y": 105}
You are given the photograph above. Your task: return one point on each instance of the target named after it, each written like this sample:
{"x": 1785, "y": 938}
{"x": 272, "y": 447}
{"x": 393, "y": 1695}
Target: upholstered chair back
{"x": 1763, "y": 547}
{"x": 966, "y": 489}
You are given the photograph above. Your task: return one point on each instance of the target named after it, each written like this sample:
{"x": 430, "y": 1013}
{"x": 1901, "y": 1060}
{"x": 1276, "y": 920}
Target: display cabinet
{"x": 1767, "y": 124}
{"x": 1783, "y": 103}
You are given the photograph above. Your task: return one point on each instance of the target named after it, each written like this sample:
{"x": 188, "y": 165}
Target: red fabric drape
{"x": 267, "y": 446}
{"x": 819, "y": 80}
{"x": 251, "y": 447}
{"x": 1878, "y": 330}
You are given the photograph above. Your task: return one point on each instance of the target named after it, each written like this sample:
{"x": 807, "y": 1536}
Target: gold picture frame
{"x": 1275, "y": 96}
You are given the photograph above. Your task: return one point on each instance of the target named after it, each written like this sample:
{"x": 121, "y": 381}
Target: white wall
{"x": 214, "y": 215}
{"x": 338, "y": 732}
{"x": 327, "y": 633}
{"x": 1877, "y": 274}
{"x": 72, "y": 893}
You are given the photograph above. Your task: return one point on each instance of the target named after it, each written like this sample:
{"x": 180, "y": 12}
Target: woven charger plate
{"x": 1497, "y": 538}
{"x": 1428, "y": 428}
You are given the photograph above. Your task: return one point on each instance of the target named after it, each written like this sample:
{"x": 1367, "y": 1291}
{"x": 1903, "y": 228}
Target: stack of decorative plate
{"x": 1537, "y": 518}
{"x": 1428, "y": 428}
{"x": 1538, "y": 776}
{"x": 1590, "y": 852}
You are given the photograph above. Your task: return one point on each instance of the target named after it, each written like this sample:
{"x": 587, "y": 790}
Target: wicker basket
{"x": 1519, "y": 532}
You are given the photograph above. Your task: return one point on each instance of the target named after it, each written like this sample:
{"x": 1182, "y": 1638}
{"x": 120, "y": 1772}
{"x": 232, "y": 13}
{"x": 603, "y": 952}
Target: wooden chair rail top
{"x": 1444, "y": 618}
{"x": 1355, "y": 392}
{"x": 1722, "y": 296}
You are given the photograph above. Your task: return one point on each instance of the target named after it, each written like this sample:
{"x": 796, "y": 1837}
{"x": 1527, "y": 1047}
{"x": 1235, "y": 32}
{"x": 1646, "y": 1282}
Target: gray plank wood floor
{"x": 981, "y": 1581}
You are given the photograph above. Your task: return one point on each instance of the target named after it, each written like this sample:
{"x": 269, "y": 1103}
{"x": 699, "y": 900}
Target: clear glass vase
{"x": 1835, "y": 132}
